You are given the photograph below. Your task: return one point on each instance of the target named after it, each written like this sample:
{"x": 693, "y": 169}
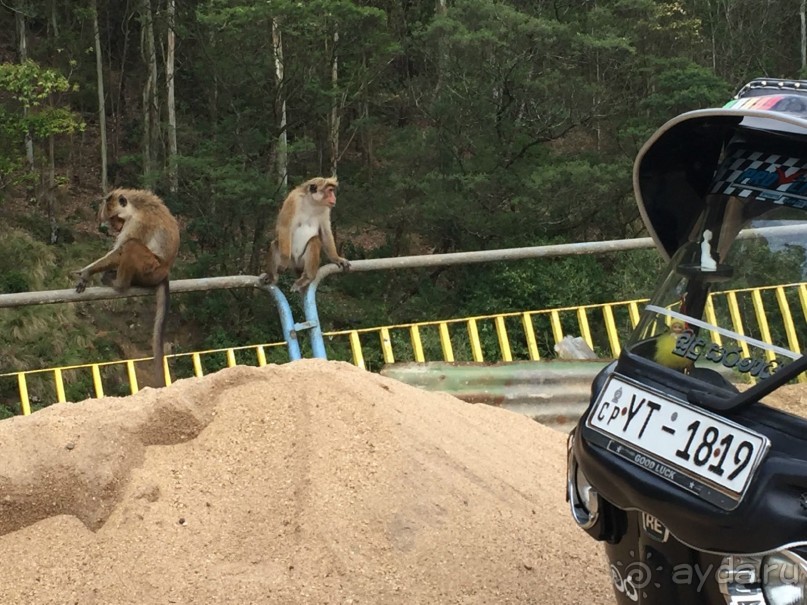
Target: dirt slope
{"x": 309, "y": 482}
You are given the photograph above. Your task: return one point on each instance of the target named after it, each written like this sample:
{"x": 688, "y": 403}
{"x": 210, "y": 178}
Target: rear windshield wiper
{"x": 752, "y": 395}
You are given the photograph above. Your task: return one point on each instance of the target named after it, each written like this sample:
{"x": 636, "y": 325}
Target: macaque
{"x": 146, "y": 245}
{"x": 303, "y": 230}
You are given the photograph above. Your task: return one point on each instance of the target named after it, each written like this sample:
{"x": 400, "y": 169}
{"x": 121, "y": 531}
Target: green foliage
{"x": 28, "y": 97}
{"x": 34, "y": 337}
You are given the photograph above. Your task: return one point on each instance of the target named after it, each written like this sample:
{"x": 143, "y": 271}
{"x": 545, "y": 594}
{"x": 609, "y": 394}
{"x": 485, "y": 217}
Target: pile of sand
{"x": 309, "y": 482}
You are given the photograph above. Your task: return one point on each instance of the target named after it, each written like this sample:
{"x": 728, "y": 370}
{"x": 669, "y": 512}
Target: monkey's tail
{"x": 160, "y": 316}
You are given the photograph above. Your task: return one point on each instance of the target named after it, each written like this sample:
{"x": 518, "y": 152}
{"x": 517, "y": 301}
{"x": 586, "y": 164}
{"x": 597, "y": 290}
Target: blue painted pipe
{"x": 286, "y": 320}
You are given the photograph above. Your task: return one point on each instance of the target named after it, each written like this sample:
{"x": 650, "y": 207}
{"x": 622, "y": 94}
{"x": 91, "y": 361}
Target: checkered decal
{"x": 756, "y": 175}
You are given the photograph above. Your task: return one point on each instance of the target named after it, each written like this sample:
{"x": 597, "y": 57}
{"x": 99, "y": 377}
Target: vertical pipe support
{"x": 286, "y": 319}
{"x": 312, "y": 318}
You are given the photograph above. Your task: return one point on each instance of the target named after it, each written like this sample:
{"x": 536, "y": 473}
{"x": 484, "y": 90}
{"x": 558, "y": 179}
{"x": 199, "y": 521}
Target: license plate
{"x": 701, "y": 452}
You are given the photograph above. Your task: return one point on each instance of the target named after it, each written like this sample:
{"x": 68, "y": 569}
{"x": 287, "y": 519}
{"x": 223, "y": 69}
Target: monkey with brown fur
{"x": 145, "y": 248}
{"x": 303, "y": 230}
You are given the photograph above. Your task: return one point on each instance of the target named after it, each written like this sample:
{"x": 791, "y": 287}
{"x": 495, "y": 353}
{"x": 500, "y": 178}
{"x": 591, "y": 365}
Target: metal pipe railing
{"x": 486, "y": 256}
{"x": 48, "y": 297}
{"x": 455, "y": 258}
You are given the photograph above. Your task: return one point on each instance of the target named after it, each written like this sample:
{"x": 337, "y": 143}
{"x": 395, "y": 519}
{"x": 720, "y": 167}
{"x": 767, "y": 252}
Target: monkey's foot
{"x": 265, "y": 279}
{"x": 301, "y": 284}
{"x": 343, "y": 264}
{"x": 108, "y": 278}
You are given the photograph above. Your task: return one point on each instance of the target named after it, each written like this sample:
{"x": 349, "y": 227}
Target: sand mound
{"x": 309, "y": 482}
{"x": 791, "y": 398}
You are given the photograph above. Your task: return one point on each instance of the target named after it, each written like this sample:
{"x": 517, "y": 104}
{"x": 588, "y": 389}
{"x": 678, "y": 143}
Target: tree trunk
{"x": 441, "y": 10}
{"x": 22, "y": 40}
{"x": 278, "y": 156}
{"x": 367, "y": 137}
{"x": 54, "y": 22}
{"x": 151, "y": 132}
{"x": 282, "y": 165}
{"x": 50, "y": 191}
{"x": 333, "y": 134}
{"x": 173, "y": 175}
{"x": 99, "y": 68}
{"x": 50, "y": 184}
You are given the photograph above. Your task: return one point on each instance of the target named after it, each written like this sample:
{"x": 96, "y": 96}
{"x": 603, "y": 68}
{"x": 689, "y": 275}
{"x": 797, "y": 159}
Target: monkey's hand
{"x": 343, "y": 263}
{"x": 83, "y": 280}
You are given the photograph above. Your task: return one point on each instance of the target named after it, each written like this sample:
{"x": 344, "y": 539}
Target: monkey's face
{"x": 323, "y": 191}
{"x": 115, "y": 224}
{"x": 115, "y": 210}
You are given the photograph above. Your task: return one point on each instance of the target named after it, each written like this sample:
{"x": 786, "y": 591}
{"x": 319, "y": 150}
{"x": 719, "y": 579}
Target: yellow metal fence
{"x": 776, "y": 315}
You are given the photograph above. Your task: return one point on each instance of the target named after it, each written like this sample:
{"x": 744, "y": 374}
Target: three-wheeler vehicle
{"x": 682, "y": 466}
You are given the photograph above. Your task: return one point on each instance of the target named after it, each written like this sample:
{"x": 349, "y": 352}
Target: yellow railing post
{"x": 25, "y": 403}
{"x": 610, "y": 329}
{"x": 709, "y": 311}
{"x": 557, "y": 329}
{"x": 585, "y": 331}
{"x": 633, "y": 312}
{"x": 230, "y": 358}
{"x": 445, "y": 342}
{"x": 58, "y": 380}
{"x": 355, "y": 346}
{"x": 417, "y": 345}
{"x": 197, "y": 365}
{"x": 504, "y": 341}
{"x": 737, "y": 320}
{"x": 386, "y": 345}
{"x": 787, "y": 318}
{"x": 790, "y": 328}
{"x": 130, "y": 370}
{"x": 167, "y": 372}
{"x": 473, "y": 335}
{"x": 96, "y": 380}
{"x": 762, "y": 321}
{"x": 529, "y": 333}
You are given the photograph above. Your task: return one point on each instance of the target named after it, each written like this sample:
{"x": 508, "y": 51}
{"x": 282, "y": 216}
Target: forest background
{"x": 452, "y": 125}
